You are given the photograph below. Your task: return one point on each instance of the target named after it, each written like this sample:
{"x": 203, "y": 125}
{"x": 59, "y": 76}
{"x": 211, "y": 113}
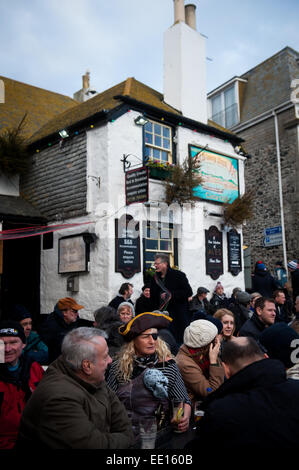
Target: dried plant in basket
{"x": 181, "y": 183}
{"x": 240, "y": 210}
{"x": 13, "y": 150}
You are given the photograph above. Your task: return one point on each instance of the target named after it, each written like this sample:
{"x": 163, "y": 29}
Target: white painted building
{"x": 87, "y": 166}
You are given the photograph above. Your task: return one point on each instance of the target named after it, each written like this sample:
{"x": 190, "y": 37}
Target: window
{"x": 225, "y": 108}
{"x": 158, "y": 239}
{"x": 158, "y": 142}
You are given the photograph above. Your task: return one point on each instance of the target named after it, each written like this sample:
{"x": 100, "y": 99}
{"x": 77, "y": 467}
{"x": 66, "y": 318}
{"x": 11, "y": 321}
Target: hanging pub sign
{"x": 136, "y": 185}
{"x": 234, "y": 252}
{"x": 214, "y": 252}
{"x": 127, "y": 246}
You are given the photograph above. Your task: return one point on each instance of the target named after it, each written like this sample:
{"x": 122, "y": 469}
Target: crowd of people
{"x": 77, "y": 386}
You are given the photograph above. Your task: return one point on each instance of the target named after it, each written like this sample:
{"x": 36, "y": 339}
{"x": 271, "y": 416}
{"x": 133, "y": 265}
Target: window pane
{"x": 148, "y": 151}
{"x": 166, "y": 132}
{"x": 156, "y": 154}
{"x": 164, "y": 156}
{"x": 148, "y": 138}
{"x": 229, "y": 97}
{"x": 165, "y": 245}
{"x": 165, "y": 234}
{"x": 150, "y": 256}
{"x": 152, "y": 232}
{"x": 158, "y": 141}
{"x": 151, "y": 244}
{"x": 148, "y": 127}
{"x": 166, "y": 143}
{"x": 157, "y": 129}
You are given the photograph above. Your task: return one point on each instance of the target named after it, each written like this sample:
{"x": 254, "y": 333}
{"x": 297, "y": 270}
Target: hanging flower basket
{"x": 239, "y": 211}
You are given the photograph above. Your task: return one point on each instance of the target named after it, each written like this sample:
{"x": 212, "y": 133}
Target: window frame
{"x": 170, "y": 151}
{"x": 173, "y": 253}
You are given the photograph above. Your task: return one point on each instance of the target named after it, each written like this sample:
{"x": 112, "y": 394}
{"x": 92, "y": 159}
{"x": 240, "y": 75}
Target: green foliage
{"x": 181, "y": 182}
{"x": 13, "y": 150}
{"x": 240, "y": 210}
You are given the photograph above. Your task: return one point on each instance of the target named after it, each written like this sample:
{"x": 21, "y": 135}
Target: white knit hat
{"x": 292, "y": 264}
{"x": 200, "y": 333}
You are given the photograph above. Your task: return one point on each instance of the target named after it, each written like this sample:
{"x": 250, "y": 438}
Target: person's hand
{"x": 183, "y": 424}
{"x": 214, "y": 351}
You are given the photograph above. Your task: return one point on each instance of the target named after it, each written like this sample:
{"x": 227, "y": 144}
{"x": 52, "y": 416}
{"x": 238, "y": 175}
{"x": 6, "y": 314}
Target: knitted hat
{"x": 277, "y": 340}
{"x": 12, "y": 328}
{"x": 243, "y": 297}
{"x": 144, "y": 321}
{"x": 261, "y": 267}
{"x": 200, "y": 333}
{"x": 68, "y": 302}
{"x": 293, "y": 264}
{"x": 218, "y": 285}
{"x": 20, "y": 313}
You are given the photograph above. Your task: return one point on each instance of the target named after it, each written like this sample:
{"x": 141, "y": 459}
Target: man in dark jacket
{"x": 200, "y": 302}
{"x": 256, "y": 408}
{"x": 263, "y": 316}
{"x": 262, "y": 281}
{"x": 58, "y": 324}
{"x": 294, "y": 270}
{"x": 19, "y": 376}
{"x": 124, "y": 295}
{"x": 170, "y": 290}
{"x": 282, "y": 311}
{"x": 241, "y": 309}
{"x": 73, "y": 407}
{"x": 144, "y": 302}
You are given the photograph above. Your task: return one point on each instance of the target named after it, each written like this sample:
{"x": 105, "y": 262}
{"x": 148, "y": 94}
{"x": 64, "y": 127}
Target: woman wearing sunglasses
{"x": 145, "y": 376}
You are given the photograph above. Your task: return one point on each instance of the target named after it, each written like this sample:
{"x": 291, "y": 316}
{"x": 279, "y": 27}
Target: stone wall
{"x": 56, "y": 182}
{"x": 261, "y": 174}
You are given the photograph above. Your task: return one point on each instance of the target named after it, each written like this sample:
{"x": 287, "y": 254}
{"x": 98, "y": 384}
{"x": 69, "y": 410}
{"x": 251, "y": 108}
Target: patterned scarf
{"x": 202, "y": 362}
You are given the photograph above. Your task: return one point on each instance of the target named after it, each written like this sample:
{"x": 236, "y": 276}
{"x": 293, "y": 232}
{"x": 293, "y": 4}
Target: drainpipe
{"x": 280, "y": 190}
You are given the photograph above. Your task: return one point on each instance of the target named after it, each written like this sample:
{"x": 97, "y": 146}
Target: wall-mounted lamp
{"x": 140, "y": 120}
{"x": 63, "y": 134}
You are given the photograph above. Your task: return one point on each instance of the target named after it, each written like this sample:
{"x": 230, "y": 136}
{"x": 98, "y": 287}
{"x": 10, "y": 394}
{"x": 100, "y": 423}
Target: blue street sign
{"x": 272, "y": 230}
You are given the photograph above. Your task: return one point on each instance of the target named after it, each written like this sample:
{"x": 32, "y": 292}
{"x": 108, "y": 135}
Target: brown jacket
{"x": 193, "y": 376}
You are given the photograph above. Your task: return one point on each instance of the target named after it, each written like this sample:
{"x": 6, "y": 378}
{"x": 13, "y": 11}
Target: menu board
{"x": 127, "y": 246}
{"x": 234, "y": 252}
{"x": 137, "y": 185}
{"x": 214, "y": 252}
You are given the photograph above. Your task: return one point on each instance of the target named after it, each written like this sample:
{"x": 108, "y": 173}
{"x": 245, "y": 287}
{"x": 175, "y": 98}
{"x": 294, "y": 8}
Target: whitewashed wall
{"x": 105, "y": 202}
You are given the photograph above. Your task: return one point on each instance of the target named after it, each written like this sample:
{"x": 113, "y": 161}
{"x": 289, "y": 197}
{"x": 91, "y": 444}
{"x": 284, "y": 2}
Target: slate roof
{"x": 39, "y": 104}
{"x": 16, "y": 206}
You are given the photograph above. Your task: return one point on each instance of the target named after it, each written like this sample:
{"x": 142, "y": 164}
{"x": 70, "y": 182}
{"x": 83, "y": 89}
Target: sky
{"x": 51, "y": 43}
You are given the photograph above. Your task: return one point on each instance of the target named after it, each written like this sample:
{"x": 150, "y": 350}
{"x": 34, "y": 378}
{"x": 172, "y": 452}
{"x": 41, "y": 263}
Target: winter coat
{"x": 143, "y": 304}
{"x": 53, "y": 330}
{"x": 218, "y": 301}
{"x": 196, "y": 382}
{"x": 253, "y": 327}
{"x": 196, "y": 305}
{"x": 15, "y": 390}
{"x": 264, "y": 283}
{"x": 69, "y": 413}
{"x": 295, "y": 283}
{"x": 36, "y": 348}
{"x": 241, "y": 313}
{"x": 178, "y": 307}
{"x": 119, "y": 299}
{"x": 256, "y": 408}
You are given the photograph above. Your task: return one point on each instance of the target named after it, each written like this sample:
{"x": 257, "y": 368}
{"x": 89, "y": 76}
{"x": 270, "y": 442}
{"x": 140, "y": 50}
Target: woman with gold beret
{"x": 145, "y": 376}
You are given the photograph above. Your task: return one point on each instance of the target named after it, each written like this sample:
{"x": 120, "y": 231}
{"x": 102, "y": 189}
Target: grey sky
{"x": 51, "y": 43}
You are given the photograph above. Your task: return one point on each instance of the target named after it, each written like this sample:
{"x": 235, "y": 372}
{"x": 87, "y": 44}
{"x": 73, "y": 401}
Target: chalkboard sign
{"x": 127, "y": 246}
{"x": 214, "y": 252}
{"x": 234, "y": 252}
{"x": 137, "y": 185}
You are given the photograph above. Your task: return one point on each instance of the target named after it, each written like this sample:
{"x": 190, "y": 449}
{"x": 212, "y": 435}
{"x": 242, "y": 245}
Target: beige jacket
{"x": 195, "y": 381}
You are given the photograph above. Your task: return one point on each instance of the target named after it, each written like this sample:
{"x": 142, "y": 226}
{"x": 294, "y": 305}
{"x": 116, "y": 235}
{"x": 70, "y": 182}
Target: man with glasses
{"x": 63, "y": 319}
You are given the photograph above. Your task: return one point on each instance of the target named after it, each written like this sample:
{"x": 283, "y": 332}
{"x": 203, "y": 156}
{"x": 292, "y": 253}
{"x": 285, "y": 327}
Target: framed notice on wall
{"x": 219, "y": 175}
{"x": 127, "y": 246}
{"x": 214, "y": 252}
{"x": 234, "y": 252}
{"x": 73, "y": 254}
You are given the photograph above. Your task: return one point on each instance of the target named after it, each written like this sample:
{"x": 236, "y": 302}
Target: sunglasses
{"x": 153, "y": 335}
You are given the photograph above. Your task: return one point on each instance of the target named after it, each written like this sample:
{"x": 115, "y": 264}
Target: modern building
{"x": 262, "y": 107}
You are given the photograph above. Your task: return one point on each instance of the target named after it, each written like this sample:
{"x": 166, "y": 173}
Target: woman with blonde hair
{"x": 144, "y": 376}
{"x": 228, "y": 321}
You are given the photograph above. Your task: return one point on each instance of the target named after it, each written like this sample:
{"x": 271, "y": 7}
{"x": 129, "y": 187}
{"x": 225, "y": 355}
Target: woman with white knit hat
{"x": 198, "y": 359}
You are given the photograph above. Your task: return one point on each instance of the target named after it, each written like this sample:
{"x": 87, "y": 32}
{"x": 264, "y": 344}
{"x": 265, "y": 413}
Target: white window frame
{"x": 160, "y": 148}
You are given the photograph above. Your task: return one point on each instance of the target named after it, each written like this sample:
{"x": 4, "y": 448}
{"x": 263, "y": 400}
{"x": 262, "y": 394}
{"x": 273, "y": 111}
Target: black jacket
{"x": 257, "y": 408}
{"x": 178, "y": 307}
{"x": 264, "y": 283}
{"x": 252, "y": 327}
{"x": 295, "y": 283}
{"x": 143, "y": 304}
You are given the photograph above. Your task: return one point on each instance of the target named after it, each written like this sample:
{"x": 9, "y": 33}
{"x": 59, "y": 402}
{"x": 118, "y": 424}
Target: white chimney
{"x": 185, "y": 65}
{"x": 86, "y": 91}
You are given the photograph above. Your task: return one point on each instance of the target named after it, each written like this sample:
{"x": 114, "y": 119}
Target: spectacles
{"x": 153, "y": 335}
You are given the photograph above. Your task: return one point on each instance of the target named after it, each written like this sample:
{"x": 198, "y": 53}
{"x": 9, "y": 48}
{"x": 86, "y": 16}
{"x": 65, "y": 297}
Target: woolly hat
{"x": 243, "y": 297}
{"x": 261, "y": 267}
{"x": 293, "y": 264}
{"x": 218, "y": 285}
{"x": 12, "y": 328}
{"x": 68, "y": 302}
{"x": 200, "y": 333}
{"x": 20, "y": 313}
{"x": 277, "y": 340}
{"x": 144, "y": 321}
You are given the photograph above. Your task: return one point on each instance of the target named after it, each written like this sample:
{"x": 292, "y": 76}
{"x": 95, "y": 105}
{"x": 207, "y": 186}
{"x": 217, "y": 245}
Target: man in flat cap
{"x": 200, "y": 302}
{"x": 19, "y": 376}
{"x": 63, "y": 319}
